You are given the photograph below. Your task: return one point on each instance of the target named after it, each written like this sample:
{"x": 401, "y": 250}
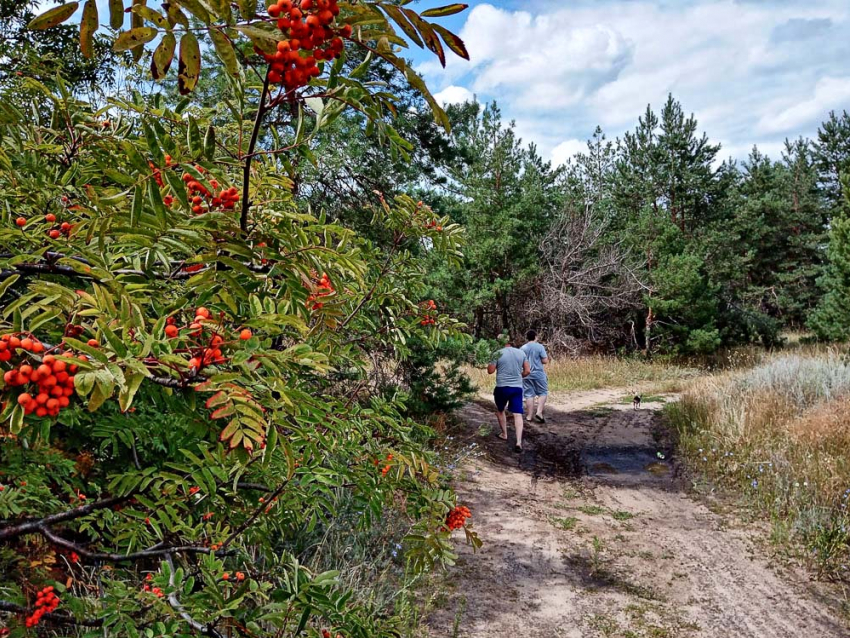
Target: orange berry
{"x": 50, "y": 217}
{"x": 24, "y": 398}
{"x": 21, "y": 221}
{"x": 171, "y": 331}
{"x": 246, "y": 334}
{"x": 94, "y": 343}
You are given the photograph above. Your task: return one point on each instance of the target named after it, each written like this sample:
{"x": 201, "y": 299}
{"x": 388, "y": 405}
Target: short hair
{"x": 531, "y": 335}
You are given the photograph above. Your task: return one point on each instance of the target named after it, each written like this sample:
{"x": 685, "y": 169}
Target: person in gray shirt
{"x": 511, "y": 366}
{"x": 536, "y": 384}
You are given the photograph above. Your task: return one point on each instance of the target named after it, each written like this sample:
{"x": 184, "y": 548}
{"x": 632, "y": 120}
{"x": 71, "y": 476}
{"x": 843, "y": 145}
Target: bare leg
{"x": 541, "y": 403}
{"x": 503, "y": 423}
{"x": 518, "y": 427}
{"x": 529, "y": 409}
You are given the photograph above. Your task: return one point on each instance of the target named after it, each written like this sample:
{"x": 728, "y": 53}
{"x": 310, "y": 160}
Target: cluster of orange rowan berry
{"x": 323, "y": 289}
{"x": 46, "y": 602}
{"x": 312, "y": 38}
{"x": 54, "y": 233}
{"x": 428, "y": 307}
{"x": 386, "y": 469}
{"x": 327, "y": 634}
{"x": 457, "y": 517}
{"x": 209, "y": 353}
{"x": 239, "y": 576}
{"x": 53, "y": 378}
{"x": 203, "y": 200}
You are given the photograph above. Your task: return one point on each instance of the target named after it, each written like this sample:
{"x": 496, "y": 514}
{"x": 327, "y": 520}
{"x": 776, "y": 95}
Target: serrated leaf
{"x": 116, "y": 14}
{"x": 248, "y": 8}
{"x": 134, "y": 38}
{"x": 195, "y": 8}
{"x": 442, "y": 12}
{"x": 125, "y": 397}
{"x": 193, "y": 138}
{"x": 428, "y": 34}
{"x": 16, "y": 420}
{"x": 88, "y": 27}
{"x": 151, "y": 15}
{"x": 190, "y": 64}
{"x": 163, "y": 56}
{"x": 6, "y": 283}
{"x": 399, "y": 18}
{"x": 452, "y": 41}
{"x": 225, "y": 52}
{"x": 54, "y": 16}
{"x": 209, "y": 143}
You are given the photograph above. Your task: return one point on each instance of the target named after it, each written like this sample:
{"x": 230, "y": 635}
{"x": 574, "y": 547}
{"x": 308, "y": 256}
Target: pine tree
{"x": 831, "y": 321}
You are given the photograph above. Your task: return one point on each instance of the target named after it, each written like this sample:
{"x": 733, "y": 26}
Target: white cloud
{"x": 829, "y": 93}
{"x": 567, "y": 149}
{"x": 561, "y": 68}
{"x": 454, "y": 95}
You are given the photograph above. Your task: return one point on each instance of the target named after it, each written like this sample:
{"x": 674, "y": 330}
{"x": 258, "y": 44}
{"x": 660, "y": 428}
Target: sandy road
{"x": 588, "y": 533}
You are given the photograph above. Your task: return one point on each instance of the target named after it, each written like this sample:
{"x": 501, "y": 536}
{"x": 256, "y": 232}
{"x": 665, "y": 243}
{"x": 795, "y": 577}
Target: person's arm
{"x": 526, "y": 368}
{"x": 545, "y": 358}
{"x": 491, "y": 368}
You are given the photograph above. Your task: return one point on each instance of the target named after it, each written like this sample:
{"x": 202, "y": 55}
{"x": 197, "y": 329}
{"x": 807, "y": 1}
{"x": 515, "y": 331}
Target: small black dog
{"x": 636, "y": 402}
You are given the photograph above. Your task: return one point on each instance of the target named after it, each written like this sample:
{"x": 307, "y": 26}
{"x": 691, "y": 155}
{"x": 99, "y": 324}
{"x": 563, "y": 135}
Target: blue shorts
{"x": 535, "y": 387}
{"x": 510, "y": 397}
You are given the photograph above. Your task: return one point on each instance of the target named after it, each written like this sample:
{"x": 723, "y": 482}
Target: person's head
{"x": 531, "y": 335}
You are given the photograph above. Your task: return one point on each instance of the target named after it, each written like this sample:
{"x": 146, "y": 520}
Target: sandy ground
{"x": 589, "y": 533}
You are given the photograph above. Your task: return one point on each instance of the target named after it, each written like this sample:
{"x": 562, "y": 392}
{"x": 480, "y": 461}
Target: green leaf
{"x": 16, "y": 420}
{"x": 209, "y": 143}
{"x": 88, "y": 27}
{"x": 162, "y": 57}
{"x": 195, "y": 8}
{"x": 193, "y": 138}
{"x": 6, "y": 283}
{"x": 125, "y": 397}
{"x": 54, "y": 16}
{"x": 442, "y": 12}
{"x": 225, "y": 52}
{"x": 248, "y": 8}
{"x": 153, "y": 145}
{"x": 190, "y": 64}
{"x": 116, "y": 14}
{"x": 134, "y": 38}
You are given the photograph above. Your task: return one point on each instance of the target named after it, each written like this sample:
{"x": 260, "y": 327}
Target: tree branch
{"x": 206, "y": 630}
{"x": 246, "y": 176}
{"x": 33, "y": 526}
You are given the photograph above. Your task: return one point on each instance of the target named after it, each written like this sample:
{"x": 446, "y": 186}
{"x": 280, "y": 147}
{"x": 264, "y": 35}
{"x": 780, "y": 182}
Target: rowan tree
{"x": 187, "y": 393}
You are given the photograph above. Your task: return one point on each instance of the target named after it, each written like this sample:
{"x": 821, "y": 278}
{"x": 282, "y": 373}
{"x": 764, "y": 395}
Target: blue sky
{"x": 752, "y": 71}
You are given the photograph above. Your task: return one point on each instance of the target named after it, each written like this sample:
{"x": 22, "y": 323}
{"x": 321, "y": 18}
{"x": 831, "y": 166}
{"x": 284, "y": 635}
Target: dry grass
{"x": 780, "y": 434}
{"x": 592, "y": 373}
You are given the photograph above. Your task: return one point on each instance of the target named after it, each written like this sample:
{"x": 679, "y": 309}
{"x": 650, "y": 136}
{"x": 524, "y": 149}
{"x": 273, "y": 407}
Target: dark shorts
{"x": 510, "y": 397}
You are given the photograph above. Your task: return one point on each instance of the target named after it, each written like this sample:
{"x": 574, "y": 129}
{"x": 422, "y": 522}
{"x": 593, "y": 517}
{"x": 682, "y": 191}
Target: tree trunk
{"x": 650, "y": 319}
{"x": 479, "y": 322}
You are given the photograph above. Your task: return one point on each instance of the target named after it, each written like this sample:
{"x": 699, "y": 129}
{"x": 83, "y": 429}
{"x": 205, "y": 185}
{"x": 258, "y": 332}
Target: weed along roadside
{"x": 778, "y": 437}
{"x": 596, "y": 529}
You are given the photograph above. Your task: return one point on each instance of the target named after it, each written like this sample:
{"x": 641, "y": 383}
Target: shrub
{"x": 779, "y": 435}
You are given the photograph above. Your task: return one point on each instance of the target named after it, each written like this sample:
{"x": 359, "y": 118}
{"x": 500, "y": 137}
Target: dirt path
{"x": 588, "y": 533}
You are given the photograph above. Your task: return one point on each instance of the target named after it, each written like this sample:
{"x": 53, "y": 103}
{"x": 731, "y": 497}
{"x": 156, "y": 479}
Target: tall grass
{"x": 779, "y": 434}
{"x": 591, "y": 373}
